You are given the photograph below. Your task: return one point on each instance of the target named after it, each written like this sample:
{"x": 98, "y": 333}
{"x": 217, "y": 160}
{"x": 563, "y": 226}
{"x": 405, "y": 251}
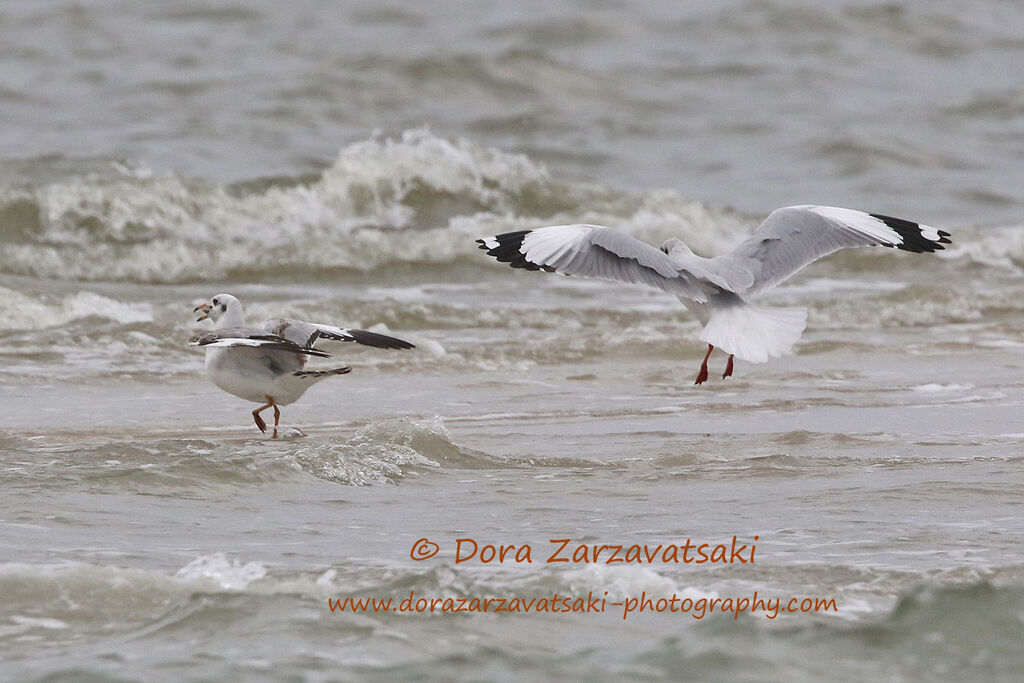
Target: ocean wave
{"x": 21, "y": 311}
{"x": 944, "y": 629}
{"x": 221, "y": 572}
{"x": 560, "y": 321}
{"x": 999, "y": 247}
{"x": 82, "y": 591}
{"x": 381, "y": 452}
{"x": 420, "y": 199}
{"x": 967, "y": 632}
{"x": 160, "y": 466}
{"x": 390, "y": 215}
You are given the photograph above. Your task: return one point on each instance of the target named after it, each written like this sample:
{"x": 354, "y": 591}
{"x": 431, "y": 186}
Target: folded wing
{"x": 248, "y": 337}
{"x": 306, "y": 334}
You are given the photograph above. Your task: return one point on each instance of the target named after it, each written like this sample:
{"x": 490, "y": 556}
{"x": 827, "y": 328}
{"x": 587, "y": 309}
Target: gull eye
{"x": 216, "y": 303}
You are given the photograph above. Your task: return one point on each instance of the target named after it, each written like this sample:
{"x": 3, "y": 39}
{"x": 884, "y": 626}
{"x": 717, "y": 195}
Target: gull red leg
{"x": 702, "y": 376}
{"x": 277, "y": 417}
{"x": 259, "y": 420}
{"x": 728, "y": 368}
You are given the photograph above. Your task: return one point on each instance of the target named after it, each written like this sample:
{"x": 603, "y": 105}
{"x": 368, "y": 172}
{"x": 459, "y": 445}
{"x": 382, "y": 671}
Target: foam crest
{"x": 225, "y": 573}
{"x": 373, "y": 175}
{"x": 1000, "y": 247}
{"x": 20, "y": 311}
{"x": 383, "y": 452}
{"x": 627, "y": 582}
{"x": 418, "y": 199}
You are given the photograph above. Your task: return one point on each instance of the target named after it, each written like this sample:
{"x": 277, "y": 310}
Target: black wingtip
{"x": 506, "y": 248}
{"x": 379, "y": 341}
{"x": 916, "y": 238}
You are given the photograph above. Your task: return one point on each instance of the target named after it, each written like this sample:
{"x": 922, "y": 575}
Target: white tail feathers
{"x": 755, "y": 333}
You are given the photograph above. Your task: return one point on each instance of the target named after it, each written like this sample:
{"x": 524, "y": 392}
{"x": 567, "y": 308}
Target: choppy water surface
{"x": 336, "y": 163}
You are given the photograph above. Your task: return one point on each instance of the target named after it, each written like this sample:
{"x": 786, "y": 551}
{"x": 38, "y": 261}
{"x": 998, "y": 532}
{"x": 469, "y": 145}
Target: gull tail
{"x": 296, "y": 383}
{"x": 755, "y": 333}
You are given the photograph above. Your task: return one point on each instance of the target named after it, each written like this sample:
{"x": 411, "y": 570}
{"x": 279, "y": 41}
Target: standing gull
{"x": 267, "y": 364}
{"x": 714, "y": 290}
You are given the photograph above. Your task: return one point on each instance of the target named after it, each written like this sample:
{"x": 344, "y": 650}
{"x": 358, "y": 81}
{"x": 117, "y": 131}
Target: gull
{"x": 715, "y": 290}
{"x": 267, "y": 364}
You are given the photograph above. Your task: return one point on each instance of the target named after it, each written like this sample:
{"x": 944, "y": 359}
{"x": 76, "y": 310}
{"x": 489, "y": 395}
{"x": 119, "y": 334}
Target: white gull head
{"x": 224, "y": 310}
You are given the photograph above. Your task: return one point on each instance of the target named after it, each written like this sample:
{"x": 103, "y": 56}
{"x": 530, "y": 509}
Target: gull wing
{"x": 306, "y": 334}
{"x": 592, "y": 251}
{"x": 253, "y": 338}
{"x": 795, "y": 236}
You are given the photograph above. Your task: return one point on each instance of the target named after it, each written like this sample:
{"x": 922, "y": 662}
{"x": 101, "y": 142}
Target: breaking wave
{"x": 381, "y": 452}
{"x": 420, "y": 199}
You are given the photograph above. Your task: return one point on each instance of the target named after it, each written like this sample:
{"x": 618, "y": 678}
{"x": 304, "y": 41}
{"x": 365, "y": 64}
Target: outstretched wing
{"x": 249, "y": 337}
{"x": 306, "y": 334}
{"x": 794, "y": 236}
{"x": 592, "y": 251}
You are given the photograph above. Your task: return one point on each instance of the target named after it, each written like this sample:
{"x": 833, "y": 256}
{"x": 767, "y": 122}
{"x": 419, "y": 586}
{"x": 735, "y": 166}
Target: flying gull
{"x": 267, "y": 364}
{"x": 715, "y": 290}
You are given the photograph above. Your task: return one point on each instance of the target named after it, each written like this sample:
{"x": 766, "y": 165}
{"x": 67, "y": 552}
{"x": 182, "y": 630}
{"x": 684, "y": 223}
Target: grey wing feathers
{"x": 249, "y": 337}
{"x": 306, "y": 334}
{"x": 591, "y": 251}
{"x": 794, "y": 236}
{"x": 374, "y": 339}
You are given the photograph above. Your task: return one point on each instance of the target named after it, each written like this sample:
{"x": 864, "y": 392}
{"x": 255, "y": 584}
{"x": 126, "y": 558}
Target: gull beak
{"x": 202, "y": 311}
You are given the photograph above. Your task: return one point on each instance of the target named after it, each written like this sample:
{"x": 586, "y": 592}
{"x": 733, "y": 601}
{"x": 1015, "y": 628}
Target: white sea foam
{"x": 38, "y": 622}
{"x": 999, "y": 247}
{"x": 225, "y": 573}
{"x": 20, "y": 311}
{"x": 628, "y": 582}
{"x": 939, "y": 388}
{"x": 417, "y": 199}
